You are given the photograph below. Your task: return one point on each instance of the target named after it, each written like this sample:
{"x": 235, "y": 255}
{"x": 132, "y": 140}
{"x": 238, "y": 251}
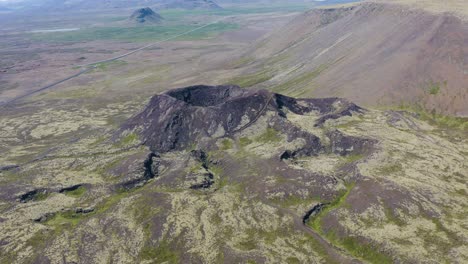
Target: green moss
{"x": 127, "y": 140}
{"x": 300, "y": 81}
{"x": 438, "y": 120}
{"x": 245, "y": 141}
{"x": 241, "y": 62}
{"x": 248, "y": 244}
{"x": 270, "y": 136}
{"x": 453, "y": 238}
{"x": 41, "y": 196}
{"x": 293, "y": 260}
{"x": 390, "y": 169}
{"x": 461, "y": 192}
{"x": 137, "y": 34}
{"x": 392, "y": 217}
{"x": 249, "y": 80}
{"x": 111, "y": 201}
{"x": 39, "y": 239}
{"x": 66, "y": 221}
{"x": 352, "y": 245}
{"x": 104, "y": 66}
{"x": 364, "y": 251}
{"x": 433, "y": 88}
{"x": 77, "y": 192}
{"x": 353, "y": 158}
{"x": 292, "y": 201}
{"x": 162, "y": 253}
{"x": 320, "y": 250}
{"x": 316, "y": 222}
{"x": 226, "y": 144}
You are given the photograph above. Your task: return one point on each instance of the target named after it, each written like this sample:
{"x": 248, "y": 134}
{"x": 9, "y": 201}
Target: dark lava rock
{"x": 313, "y": 212}
{"x": 207, "y": 182}
{"x": 149, "y": 171}
{"x": 8, "y": 167}
{"x": 145, "y": 16}
{"x": 87, "y": 210}
{"x": 32, "y": 195}
{"x": 43, "y": 218}
{"x": 345, "y": 145}
{"x": 177, "y": 119}
{"x": 70, "y": 189}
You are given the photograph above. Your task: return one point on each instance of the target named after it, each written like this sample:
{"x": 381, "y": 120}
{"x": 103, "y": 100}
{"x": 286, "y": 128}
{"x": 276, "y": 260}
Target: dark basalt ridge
{"x": 177, "y": 119}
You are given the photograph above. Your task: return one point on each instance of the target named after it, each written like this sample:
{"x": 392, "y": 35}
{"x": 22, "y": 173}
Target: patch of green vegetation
{"x": 179, "y": 14}
{"x": 461, "y": 192}
{"x": 300, "y": 81}
{"x": 393, "y": 218}
{"x": 226, "y": 144}
{"x": 104, "y": 66}
{"x": 127, "y": 140}
{"x": 245, "y": 141}
{"x": 41, "y": 196}
{"x": 162, "y": 253}
{"x": 110, "y": 202}
{"x": 77, "y": 193}
{"x": 453, "y": 238}
{"x": 249, "y": 243}
{"x": 216, "y": 170}
{"x": 351, "y": 244}
{"x": 439, "y": 120}
{"x": 66, "y": 221}
{"x": 353, "y": 158}
{"x": 39, "y": 239}
{"x": 292, "y": 201}
{"x": 250, "y": 80}
{"x": 390, "y": 169}
{"x": 270, "y": 136}
{"x": 320, "y": 250}
{"x": 241, "y": 62}
{"x": 363, "y": 250}
{"x": 433, "y": 88}
{"x": 316, "y": 222}
{"x": 137, "y": 34}
{"x": 293, "y": 260}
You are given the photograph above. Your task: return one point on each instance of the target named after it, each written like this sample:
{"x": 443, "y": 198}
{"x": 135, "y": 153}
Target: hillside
{"x": 374, "y": 54}
{"x": 213, "y": 174}
{"x": 456, "y": 7}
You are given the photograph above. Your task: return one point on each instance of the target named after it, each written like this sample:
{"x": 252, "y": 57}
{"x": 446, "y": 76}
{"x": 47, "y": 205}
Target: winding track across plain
{"x": 90, "y": 66}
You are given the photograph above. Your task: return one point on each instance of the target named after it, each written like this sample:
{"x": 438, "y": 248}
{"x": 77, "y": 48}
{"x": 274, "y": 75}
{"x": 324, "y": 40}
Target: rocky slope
{"x": 375, "y": 54}
{"x": 221, "y": 174}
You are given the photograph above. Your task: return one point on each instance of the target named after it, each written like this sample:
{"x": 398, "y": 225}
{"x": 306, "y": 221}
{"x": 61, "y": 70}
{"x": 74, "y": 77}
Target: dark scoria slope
{"x": 179, "y": 118}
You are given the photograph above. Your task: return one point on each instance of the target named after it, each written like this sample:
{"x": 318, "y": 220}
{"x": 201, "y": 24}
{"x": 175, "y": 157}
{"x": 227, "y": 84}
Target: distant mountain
{"x": 191, "y": 4}
{"x": 145, "y": 16}
{"x": 58, "y": 5}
